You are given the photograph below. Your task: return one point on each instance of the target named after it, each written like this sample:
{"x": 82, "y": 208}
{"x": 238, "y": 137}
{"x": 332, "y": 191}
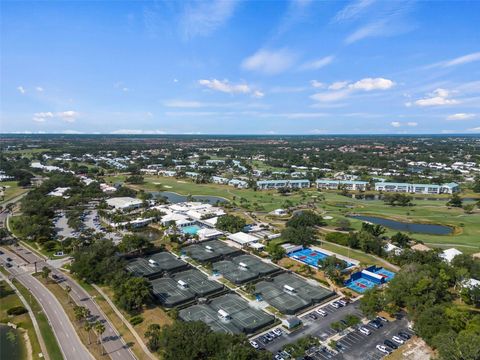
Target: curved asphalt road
{"x": 68, "y": 340}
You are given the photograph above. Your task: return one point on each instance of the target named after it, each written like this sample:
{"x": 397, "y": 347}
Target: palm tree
{"x": 45, "y": 272}
{"x": 99, "y": 329}
{"x": 87, "y": 327}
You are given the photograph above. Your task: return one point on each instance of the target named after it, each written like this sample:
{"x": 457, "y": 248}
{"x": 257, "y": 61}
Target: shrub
{"x": 136, "y": 320}
{"x": 17, "y": 310}
{"x": 337, "y": 238}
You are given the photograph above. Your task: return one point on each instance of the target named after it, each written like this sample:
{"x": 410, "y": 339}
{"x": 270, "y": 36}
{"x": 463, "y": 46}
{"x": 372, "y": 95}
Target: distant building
{"x": 240, "y": 184}
{"x": 243, "y": 238}
{"x": 336, "y": 184}
{"x": 124, "y": 203}
{"x": 449, "y": 188}
{"x": 449, "y": 254}
{"x": 277, "y": 184}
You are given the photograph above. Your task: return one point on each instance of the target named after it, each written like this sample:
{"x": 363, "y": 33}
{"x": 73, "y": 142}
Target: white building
{"x": 449, "y": 254}
{"x": 243, "y": 238}
{"x": 277, "y": 184}
{"x": 336, "y": 184}
{"x": 59, "y": 191}
{"x": 124, "y": 203}
{"x": 448, "y": 188}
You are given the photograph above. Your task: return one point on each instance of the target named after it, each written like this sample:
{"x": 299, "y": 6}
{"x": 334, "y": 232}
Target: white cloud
{"x": 369, "y": 84}
{"x": 317, "y": 84}
{"x": 376, "y": 28}
{"x": 42, "y": 116}
{"x": 229, "y": 88}
{"x": 21, "y": 89}
{"x": 183, "y": 104}
{"x": 318, "y": 131}
{"x": 439, "y": 97}
{"x": 39, "y": 89}
{"x": 461, "y": 60}
{"x": 338, "y": 85}
{"x": 203, "y": 18}
{"x": 352, "y": 10}
{"x": 137, "y": 132}
{"x": 318, "y": 63}
{"x": 68, "y": 116}
{"x": 476, "y": 129}
{"x": 398, "y": 124}
{"x": 460, "y": 116}
{"x": 225, "y": 86}
{"x": 269, "y": 61}
{"x": 342, "y": 89}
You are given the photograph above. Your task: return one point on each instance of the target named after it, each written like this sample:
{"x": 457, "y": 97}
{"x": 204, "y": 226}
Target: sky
{"x": 240, "y": 67}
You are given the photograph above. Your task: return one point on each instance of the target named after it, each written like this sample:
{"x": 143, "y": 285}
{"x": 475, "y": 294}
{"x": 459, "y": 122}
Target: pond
{"x": 174, "y": 198}
{"x": 10, "y": 343}
{"x": 432, "y": 229}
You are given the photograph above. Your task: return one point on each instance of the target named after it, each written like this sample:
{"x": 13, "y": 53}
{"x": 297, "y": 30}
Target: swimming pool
{"x": 192, "y": 229}
{"x": 310, "y": 257}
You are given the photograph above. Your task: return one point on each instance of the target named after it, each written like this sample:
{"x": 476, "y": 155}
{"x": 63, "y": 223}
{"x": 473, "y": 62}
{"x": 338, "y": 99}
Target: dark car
{"x": 312, "y": 316}
{"x": 391, "y": 344}
{"x": 8, "y": 265}
{"x": 9, "y": 259}
{"x": 404, "y": 335}
{"x": 1, "y": 252}
{"x": 375, "y": 324}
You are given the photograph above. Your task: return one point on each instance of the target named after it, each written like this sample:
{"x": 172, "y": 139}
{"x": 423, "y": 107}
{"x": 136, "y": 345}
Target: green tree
{"x": 133, "y": 243}
{"x": 301, "y": 236}
{"x": 99, "y": 328}
{"x": 231, "y": 223}
{"x": 455, "y": 201}
{"x": 133, "y": 293}
{"x": 46, "y": 272}
{"x": 153, "y": 337}
{"x": 305, "y": 219}
{"x": 372, "y": 302}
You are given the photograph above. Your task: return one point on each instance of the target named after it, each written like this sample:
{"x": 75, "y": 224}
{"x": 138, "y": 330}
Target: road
{"x": 68, "y": 340}
{"x": 113, "y": 343}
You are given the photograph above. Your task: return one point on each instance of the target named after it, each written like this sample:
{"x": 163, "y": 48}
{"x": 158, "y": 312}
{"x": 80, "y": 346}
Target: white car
{"x": 342, "y": 302}
{"x": 384, "y": 349}
{"x": 254, "y": 344}
{"x": 398, "y": 340}
{"x": 335, "y": 305}
{"x": 364, "y": 331}
{"x": 322, "y": 312}
{"x": 278, "y": 332}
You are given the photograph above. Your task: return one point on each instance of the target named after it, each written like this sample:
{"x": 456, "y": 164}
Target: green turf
{"x": 12, "y": 190}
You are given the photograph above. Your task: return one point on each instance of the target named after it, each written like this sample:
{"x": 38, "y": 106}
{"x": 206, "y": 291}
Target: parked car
{"x": 278, "y": 331}
{"x": 9, "y": 259}
{"x": 312, "y": 316}
{"x": 335, "y": 305}
{"x": 8, "y": 265}
{"x": 398, "y": 339}
{"x": 391, "y": 344}
{"x": 322, "y": 312}
{"x": 272, "y": 334}
{"x": 381, "y": 318}
{"x": 383, "y": 349}
{"x": 342, "y": 302}
{"x": 269, "y": 337}
{"x": 254, "y": 344}
{"x": 279, "y": 357}
{"x": 404, "y": 335}
{"x": 364, "y": 331}
{"x": 375, "y": 324}
{"x": 1, "y": 252}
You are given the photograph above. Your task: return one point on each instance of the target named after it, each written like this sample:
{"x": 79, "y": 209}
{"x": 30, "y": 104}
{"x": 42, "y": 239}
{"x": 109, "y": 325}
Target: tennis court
{"x": 233, "y": 272}
{"x": 310, "y": 257}
{"x": 360, "y": 285}
{"x": 255, "y": 265}
{"x": 209, "y": 251}
{"x": 198, "y": 282}
{"x": 303, "y": 295}
{"x": 366, "y": 279}
{"x": 388, "y": 275}
{"x": 241, "y": 317}
{"x": 169, "y": 293}
{"x": 162, "y": 261}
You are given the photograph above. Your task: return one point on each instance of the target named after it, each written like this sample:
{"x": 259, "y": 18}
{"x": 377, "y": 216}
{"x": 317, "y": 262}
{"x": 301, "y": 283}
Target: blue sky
{"x": 240, "y": 67}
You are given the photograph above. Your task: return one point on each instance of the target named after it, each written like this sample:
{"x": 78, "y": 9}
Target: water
{"x": 10, "y": 347}
{"x": 192, "y": 229}
{"x": 177, "y": 198}
{"x": 432, "y": 229}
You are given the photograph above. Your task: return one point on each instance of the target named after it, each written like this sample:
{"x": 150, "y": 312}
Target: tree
{"x": 46, "y": 272}
{"x": 301, "y": 236}
{"x": 133, "y": 293}
{"x": 455, "y": 201}
{"x": 468, "y": 208}
{"x": 231, "y": 223}
{"x": 99, "y": 328}
{"x": 476, "y": 185}
{"x": 133, "y": 243}
{"x": 397, "y": 199}
{"x": 88, "y": 326}
{"x": 401, "y": 239}
{"x": 375, "y": 230}
{"x": 153, "y": 337}
{"x": 305, "y": 219}
{"x": 372, "y": 302}
{"x": 343, "y": 224}
{"x": 68, "y": 289}
{"x": 277, "y": 253}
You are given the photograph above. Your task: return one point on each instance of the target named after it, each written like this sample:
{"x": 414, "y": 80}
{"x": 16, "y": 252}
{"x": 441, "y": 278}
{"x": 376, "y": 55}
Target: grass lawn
{"x": 247, "y": 198}
{"x": 12, "y": 190}
{"x": 9, "y": 300}
{"x": 27, "y": 152}
{"x": 47, "y": 333}
{"x": 466, "y": 236}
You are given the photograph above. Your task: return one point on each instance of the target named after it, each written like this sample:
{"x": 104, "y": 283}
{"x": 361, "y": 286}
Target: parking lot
{"x": 356, "y": 345}
{"x": 319, "y": 327}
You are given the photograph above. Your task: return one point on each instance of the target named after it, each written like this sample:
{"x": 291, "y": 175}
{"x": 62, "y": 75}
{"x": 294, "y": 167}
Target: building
{"x": 240, "y": 184}
{"x": 278, "y": 184}
{"x": 449, "y": 254}
{"x": 59, "y": 191}
{"x": 220, "y": 180}
{"x": 353, "y": 185}
{"x": 243, "y": 238}
{"x": 449, "y": 188}
{"x": 124, "y": 203}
